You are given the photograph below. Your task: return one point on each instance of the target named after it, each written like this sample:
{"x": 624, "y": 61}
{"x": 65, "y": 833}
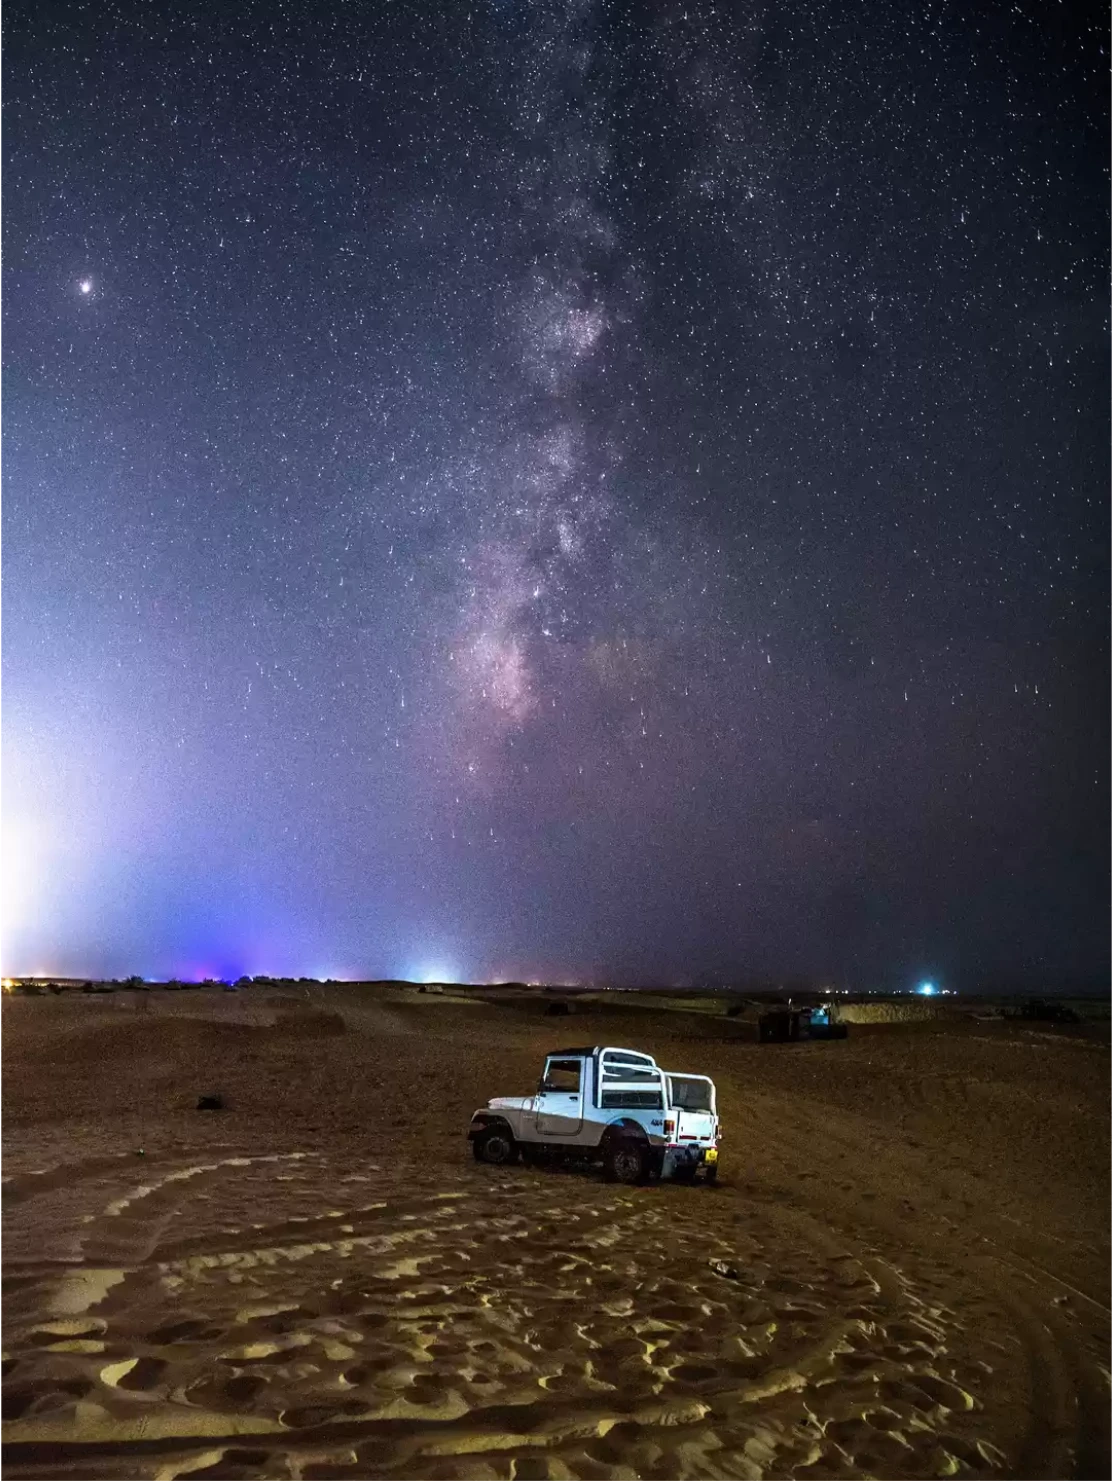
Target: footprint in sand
{"x": 426, "y": 1334}
{"x": 185, "y": 1329}
{"x": 139, "y": 1374}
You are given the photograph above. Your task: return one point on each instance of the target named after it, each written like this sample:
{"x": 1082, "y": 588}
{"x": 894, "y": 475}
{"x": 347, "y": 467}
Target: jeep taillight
{"x": 670, "y": 1127}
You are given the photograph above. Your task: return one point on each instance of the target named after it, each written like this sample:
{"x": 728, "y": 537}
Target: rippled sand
{"x": 902, "y": 1274}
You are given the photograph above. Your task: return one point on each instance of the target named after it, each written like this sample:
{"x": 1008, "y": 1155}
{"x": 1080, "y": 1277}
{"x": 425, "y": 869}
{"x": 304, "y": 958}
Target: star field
{"x": 571, "y": 491}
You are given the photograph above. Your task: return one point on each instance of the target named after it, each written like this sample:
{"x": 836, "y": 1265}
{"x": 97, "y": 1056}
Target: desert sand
{"x": 903, "y": 1273}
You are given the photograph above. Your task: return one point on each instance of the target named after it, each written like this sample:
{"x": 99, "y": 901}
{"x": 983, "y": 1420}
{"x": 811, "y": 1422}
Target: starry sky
{"x": 557, "y": 489}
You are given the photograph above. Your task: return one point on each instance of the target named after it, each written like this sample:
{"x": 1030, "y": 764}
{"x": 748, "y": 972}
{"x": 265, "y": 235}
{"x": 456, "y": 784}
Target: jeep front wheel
{"x": 626, "y": 1160}
{"x": 495, "y": 1146}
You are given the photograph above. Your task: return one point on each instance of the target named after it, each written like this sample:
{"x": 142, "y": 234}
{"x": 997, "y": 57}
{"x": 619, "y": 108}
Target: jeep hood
{"x": 519, "y": 1103}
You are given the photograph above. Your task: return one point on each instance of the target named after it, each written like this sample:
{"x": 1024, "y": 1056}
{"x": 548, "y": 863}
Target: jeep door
{"x": 692, "y": 1101}
{"x": 560, "y": 1098}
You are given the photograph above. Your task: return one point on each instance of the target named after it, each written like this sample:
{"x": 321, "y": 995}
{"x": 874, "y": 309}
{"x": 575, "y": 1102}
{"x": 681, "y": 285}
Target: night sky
{"x": 596, "y": 492}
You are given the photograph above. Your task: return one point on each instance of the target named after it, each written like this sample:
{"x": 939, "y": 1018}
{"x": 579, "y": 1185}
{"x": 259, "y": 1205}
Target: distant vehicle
{"x": 608, "y": 1104}
{"x": 821, "y": 1025}
{"x": 783, "y": 1023}
{"x": 779, "y": 1025}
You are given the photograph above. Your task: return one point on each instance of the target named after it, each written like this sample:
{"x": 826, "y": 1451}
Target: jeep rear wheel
{"x": 495, "y": 1146}
{"x": 626, "y": 1160}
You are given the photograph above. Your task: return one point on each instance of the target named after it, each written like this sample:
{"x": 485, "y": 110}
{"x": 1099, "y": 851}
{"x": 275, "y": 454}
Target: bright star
{"x": 86, "y": 285}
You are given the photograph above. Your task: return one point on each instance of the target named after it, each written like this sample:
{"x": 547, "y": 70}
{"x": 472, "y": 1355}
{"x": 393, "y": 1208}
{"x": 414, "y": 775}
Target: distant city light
{"x": 86, "y": 286}
{"x": 434, "y": 974}
{"x": 927, "y": 988}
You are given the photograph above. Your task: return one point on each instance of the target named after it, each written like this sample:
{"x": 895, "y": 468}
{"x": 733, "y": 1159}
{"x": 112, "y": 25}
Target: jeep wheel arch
{"x": 624, "y": 1128}
{"x": 494, "y": 1143}
{"x": 626, "y": 1152}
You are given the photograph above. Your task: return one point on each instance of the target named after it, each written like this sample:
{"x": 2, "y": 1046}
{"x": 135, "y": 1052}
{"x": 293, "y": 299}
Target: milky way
{"x": 582, "y": 491}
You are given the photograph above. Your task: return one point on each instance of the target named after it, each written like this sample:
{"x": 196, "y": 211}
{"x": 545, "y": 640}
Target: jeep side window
{"x": 691, "y": 1094}
{"x": 562, "y": 1076}
{"x": 615, "y": 1070}
{"x": 629, "y": 1097}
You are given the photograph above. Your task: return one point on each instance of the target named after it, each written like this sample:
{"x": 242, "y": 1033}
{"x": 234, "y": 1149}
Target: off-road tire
{"x": 711, "y": 1173}
{"x": 626, "y": 1160}
{"x": 495, "y": 1146}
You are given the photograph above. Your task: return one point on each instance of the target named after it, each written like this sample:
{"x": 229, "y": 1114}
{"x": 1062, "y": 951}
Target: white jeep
{"x": 606, "y": 1103}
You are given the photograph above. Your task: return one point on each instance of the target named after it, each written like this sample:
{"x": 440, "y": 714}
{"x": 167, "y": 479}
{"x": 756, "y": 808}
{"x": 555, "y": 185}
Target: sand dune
{"x": 320, "y": 1283}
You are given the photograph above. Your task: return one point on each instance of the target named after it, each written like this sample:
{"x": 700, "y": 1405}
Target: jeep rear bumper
{"x": 685, "y": 1157}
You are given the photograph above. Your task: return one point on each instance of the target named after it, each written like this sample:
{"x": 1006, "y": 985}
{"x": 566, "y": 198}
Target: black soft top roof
{"x": 619, "y": 1052}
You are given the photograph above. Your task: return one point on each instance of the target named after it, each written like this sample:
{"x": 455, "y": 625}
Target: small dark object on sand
{"x": 724, "y": 1269}
{"x": 210, "y": 1102}
{"x": 1055, "y": 1013}
{"x": 558, "y": 1007}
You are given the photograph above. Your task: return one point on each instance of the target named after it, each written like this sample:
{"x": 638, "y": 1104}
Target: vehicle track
{"x": 1049, "y": 1338}
{"x": 297, "y": 1315}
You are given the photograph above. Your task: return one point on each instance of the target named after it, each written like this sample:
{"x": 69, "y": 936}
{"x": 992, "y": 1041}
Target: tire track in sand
{"x": 299, "y": 1316}
{"x": 1030, "y": 1333}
